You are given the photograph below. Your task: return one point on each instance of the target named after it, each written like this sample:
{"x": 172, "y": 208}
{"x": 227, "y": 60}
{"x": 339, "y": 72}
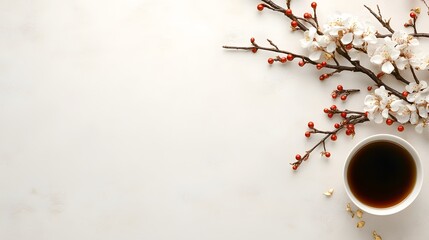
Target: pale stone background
{"x": 127, "y": 120}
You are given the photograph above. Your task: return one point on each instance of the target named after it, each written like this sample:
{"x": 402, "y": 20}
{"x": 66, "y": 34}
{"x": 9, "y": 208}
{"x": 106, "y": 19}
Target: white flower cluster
{"x": 360, "y": 38}
{"x": 398, "y": 51}
{"x": 382, "y": 105}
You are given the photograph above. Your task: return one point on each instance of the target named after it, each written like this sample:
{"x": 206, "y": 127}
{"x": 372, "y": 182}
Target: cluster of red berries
{"x": 288, "y": 57}
{"x": 288, "y": 13}
{"x": 311, "y": 126}
{"x": 330, "y": 111}
{"x": 350, "y": 129}
{"x": 340, "y": 92}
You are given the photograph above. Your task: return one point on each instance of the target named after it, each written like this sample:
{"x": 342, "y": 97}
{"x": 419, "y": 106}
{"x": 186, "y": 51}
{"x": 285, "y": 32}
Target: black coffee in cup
{"x": 381, "y": 174}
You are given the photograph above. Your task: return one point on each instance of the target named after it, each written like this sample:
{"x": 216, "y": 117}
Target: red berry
{"x": 298, "y": 157}
{"x": 401, "y": 128}
{"x": 290, "y": 57}
{"x": 379, "y": 75}
{"x": 405, "y": 93}
{"x": 389, "y": 121}
{"x": 254, "y": 50}
{"x": 288, "y": 12}
{"x": 349, "y": 46}
{"x": 369, "y": 88}
{"x": 343, "y": 97}
{"x": 336, "y": 125}
{"x": 283, "y": 60}
{"x": 349, "y": 132}
{"x": 343, "y": 114}
{"x": 330, "y": 115}
{"x": 270, "y": 60}
{"x": 319, "y": 66}
{"x": 334, "y": 95}
{"x": 314, "y": 5}
{"x": 327, "y": 154}
{"x": 311, "y": 125}
{"x": 321, "y": 77}
{"x": 333, "y": 107}
{"x": 333, "y": 137}
{"x": 325, "y": 75}
{"x": 252, "y": 40}
{"x": 325, "y": 110}
{"x": 366, "y": 114}
{"x": 260, "y": 7}
{"x": 350, "y": 126}
{"x": 413, "y": 15}
{"x": 294, "y": 24}
{"x": 340, "y": 88}
{"x": 323, "y": 64}
{"x": 295, "y": 167}
{"x": 301, "y": 63}
{"x": 308, "y": 134}
{"x": 307, "y": 15}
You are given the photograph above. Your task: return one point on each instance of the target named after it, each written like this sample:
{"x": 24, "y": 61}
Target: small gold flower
{"x": 359, "y": 213}
{"x": 376, "y": 236}
{"x": 360, "y": 224}
{"x": 416, "y": 10}
{"x": 349, "y": 209}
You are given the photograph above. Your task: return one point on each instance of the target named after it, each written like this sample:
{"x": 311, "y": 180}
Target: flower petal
{"x": 377, "y": 59}
{"x": 347, "y": 38}
{"x": 414, "y": 118}
{"x": 378, "y": 118}
{"x": 401, "y": 63}
{"x": 315, "y": 55}
{"x": 419, "y": 128}
{"x": 387, "y": 67}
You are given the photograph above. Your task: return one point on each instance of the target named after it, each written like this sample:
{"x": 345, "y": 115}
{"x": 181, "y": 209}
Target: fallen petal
{"x": 329, "y": 192}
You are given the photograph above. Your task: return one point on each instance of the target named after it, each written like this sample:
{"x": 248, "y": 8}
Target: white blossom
{"x": 355, "y": 30}
{"x": 336, "y": 23}
{"x": 369, "y": 34}
{"x": 417, "y": 91}
{"x": 375, "y": 105}
{"x": 421, "y": 126}
{"x": 385, "y": 54}
{"x": 404, "y": 40}
{"x": 420, "y": 61}
{"x": 309, "y": 36}
{"x": 327, "y": 42}
{"x": 404, "y": 112}
{"x": 423, "y": 108}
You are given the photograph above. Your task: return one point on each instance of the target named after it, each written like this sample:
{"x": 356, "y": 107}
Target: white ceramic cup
{"x": 417, "y": 186}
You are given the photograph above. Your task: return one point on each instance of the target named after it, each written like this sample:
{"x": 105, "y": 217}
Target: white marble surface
{"x": 127, "y": 120}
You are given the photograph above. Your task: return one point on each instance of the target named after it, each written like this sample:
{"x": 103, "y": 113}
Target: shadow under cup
{"x": 383, "y": 174}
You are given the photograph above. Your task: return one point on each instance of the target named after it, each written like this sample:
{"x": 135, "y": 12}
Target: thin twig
{"x": 418, "y": 35}
{"x": 305, "y": 58}
{"x": 414, "y": 75}
{"x": 398, "y": 75}
{"x": 385, "y": 24}
{"x": 427, "y": 6}
{"x": 272, "y": 44}
{"x": 414, "y": 25}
